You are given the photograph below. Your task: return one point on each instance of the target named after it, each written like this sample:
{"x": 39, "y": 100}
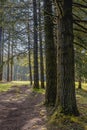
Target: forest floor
{"x": 22, "y": 108}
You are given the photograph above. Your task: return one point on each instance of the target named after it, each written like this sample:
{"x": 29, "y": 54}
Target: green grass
{"x": 39, "y": 90}
{"x": 61, "y": 122}
{"x": 84, "y": 85}
{"x": 56, "y": 120}
{"x": 7, "y": 85}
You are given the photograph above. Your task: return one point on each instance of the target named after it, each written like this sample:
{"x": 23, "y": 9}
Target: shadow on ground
{"x": 23, "y": 109}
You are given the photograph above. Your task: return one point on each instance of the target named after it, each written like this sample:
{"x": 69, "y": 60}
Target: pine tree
{"x": 51, "y": 65}
{"x": 36, "y": 76}
{"x": 66, "y": 100}
{"x": 41, "y": 49}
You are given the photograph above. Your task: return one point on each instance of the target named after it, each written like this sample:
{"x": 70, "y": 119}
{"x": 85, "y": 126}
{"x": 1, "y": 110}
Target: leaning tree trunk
{"x": 51, "y": 65}
{"x": 66, "y": 100}
{"x": 36, "y": 76}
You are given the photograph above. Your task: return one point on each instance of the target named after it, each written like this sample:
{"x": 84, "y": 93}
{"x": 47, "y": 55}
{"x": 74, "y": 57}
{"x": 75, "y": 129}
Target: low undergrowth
{"x": 39, "y": 90}
{"x": 5, "y": 86}
{"x": 59, "y": 121}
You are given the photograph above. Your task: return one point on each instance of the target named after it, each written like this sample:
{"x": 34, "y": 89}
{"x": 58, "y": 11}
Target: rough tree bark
{"x": 8, "y": 64}
{"x": 80, "y": 76}
{"x": 66, "y": 100}
{"x": 11, "y": 74}
{"x": 36, "y": 76}
{"x": 41, "y": 49}
{"x": 1, "y": 68}
{"x": 51, "y": 65}
{"x": 29, "y": 55}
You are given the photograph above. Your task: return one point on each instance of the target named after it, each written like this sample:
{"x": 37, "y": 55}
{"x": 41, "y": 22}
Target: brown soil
{"x": 22, "y": 109}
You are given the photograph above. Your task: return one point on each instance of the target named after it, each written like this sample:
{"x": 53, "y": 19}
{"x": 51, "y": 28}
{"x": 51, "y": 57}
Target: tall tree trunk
{"x": 29, "y": 55}
{"x": 8, "y": 65}
{"x": 80, "y": 83}
{"x": 1, "y": 43}
{"x": 51, "y": 65}
{"x": 1, "y": 68}
{"x": 41, "y": 50}
{"x": 80, "y": 76}
{"x": 2, "y": 52}
{"x": 11, "y": 77}
{"x": 36, "y": 76}
{"x": 66, "y": 100}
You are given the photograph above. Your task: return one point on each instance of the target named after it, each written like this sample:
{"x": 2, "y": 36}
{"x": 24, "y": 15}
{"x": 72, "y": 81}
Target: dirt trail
{"x": 22, "y": 109}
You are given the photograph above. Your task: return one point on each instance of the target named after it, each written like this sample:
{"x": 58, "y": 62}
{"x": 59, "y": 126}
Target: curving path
{"x": 22, "y": 109}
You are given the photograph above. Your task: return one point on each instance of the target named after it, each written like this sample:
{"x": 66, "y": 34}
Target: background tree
{"x": 40, "y": 45}
{"x": 36, "y": 76}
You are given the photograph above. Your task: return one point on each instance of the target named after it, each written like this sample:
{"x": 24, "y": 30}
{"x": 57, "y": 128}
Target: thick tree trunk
{"x": 66, "y": 100}
{"x": 36, "y": 76}
{"x": 51, "y": 65}
{"x": 41, "y": 50}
